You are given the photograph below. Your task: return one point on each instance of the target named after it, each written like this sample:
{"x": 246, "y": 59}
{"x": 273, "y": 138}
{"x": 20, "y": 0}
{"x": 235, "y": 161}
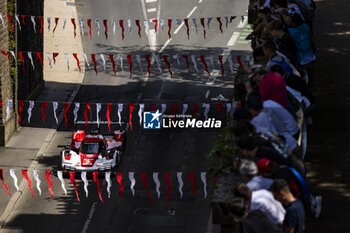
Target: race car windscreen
{"x": 90, "y": 148}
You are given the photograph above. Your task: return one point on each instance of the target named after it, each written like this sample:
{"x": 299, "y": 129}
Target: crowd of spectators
{"x": 271, "y": 127}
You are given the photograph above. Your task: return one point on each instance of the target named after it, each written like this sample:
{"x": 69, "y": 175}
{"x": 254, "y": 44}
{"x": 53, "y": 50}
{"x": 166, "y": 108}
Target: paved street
{"x": 146, "y": 151}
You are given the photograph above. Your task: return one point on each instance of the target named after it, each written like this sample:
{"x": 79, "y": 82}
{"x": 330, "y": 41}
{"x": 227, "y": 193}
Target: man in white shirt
{"x": 262, "y": 200}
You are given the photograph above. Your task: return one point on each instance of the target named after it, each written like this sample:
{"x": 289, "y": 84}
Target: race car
{"x": 93, "y": 152}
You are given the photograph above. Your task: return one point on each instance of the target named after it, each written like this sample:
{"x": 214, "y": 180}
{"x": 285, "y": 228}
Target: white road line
{"x": 150, "y": 1}
{"x": 191, "y": 12}
{"x": 243, "y": 23}
{"x": 210, "y": 223}
{"x": 165, "y": 45}
{"x": 150, "y": 41}
{"x": 88, "y": 220}
{"x": 200, "y": 1}
{"x": 233, "y": 39}
{"x": 151, "y": 10}
{"x": 178, "y": 28}
{"x": 161, "y": 90}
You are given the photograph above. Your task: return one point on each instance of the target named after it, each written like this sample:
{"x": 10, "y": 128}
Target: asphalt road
{"x": 147, "y": 151}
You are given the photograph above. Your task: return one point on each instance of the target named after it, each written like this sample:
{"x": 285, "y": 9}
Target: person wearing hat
{"x": 249, "y": 172}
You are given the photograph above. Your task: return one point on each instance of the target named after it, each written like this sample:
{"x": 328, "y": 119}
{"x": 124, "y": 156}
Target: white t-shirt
{"x": 259, "y": 182}
{"x": 264, "y": 201}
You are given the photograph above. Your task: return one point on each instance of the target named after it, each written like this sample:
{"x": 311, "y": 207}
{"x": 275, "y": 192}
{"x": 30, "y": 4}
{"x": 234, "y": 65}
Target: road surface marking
{"x": 178, "y": 28}
{"x": 233, "y": 39}
{"x": 151, "y": 10}
{"x": 243, "y": 23}
{"x": 200, "y": 1}
{"x": 150, "y": 1}
{"x": 161, "y": 90}
{"x": 191, "y": 12}
{"x": 210, "y": 223}
{"x": 165, "y": 45}
{"x": 88, "y": 220}
{"x": 152, "y": 41}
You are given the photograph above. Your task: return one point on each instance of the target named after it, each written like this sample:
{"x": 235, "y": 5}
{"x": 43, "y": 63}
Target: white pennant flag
{"x": 206, "y": 110}
{"x": 132, "y": 182}
{"x": 86, "y": 60}
{"x": 163, "y": 108}
{"x": 195, "y": 24}
{"x": 184, "y": 110}
{"x": 120, "y": 109}
{"x": 145, "y": 22}
{"x": 231, "y": 63}
{"x": 67, "y": 59}
{"x": 98, "y": 109}
{"x": 81, "y": 26}
{"x": 176, "y": 57}
{"x": 2, "y": 20}
{"x": 63, "y": 184}
{"x": 181, "y": 183}
{"x": 9, "y": 106}
{"x": 34, "y": 24}
{"x": 29, "y": 54}
{"x": 158, "y": 63}
{"x": 103, "y": 61}
{"x": 30, "y": 108}
{"x": 75, "y": 112}
{"x": 138, "y": 58}
{"x": 228, "y": 106}
{"x": 64, "y": 24}
{"x": 113, "y": 26}
{"x": 156, "y": 180}
{"x": 109, "y": 183}
{"x": 204, "y": 180}
{"x": 129, "y": 26}
{"x": 142, "y": 107}
{"x": 13, "y": 55}
{"x": 209, "y": 20}
{"x": 14, "y": 177}
{"x": 48, "y": 23}
{"x": 226, "y": 21}
{"x": 55, "y": 106}
{"x": 193, "y": 59}
{"x": 97, "y": 26}
{"x": 211, "y": 58}
{"x": 49, "y": 58}
{"x": 161, "y": 23}
{"x": 120, "y": 57}
{"x": 19, "y": 23}
{"x": 38, "y": 181}
{"x": 86, "y": 183}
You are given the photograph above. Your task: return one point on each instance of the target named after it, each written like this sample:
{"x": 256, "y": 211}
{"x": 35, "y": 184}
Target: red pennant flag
{"x": 77, "y": 59}
{"x": 56, "y": 22}
{"x": 43, "y": 107}
{"x": 221, "y": 65}
{"x": 66, "y": 107}
{"x": 219, "y": 107}
{"x": 6, "y": 54}
{"x": 41, "y": 25}
{"x": 87, "y": 109}
{"x": 139, "y": 27}
{"x": 195, "y": 109}
{"x": 148, "y": 65}
{"x": 72, "y": 180}
{"x": 205, "y": 64}
{"x": 169, "y": 30}
{"x": 10, "y": 21}
{"x": 113, "y": 63}
{"x": 187, "y": 62}
{"x": 3, "y": 182}
{"x": 122, "y": 27}
{"x": 95, "y": 176}
{"x": 109, "y": 110}
{"x": 173, "y": 109}
{"x": 23, "y": 19}
{"x": 156, "y": 25}
{"x": 106, "y": 28}
{"x": 192, "y": 180}
{"x": 220, "y": 23}
{"x": 239, "y": 61}
{"x": 20, "y": 54}
{"x": 130, "y": 63}
{"x": 167, "y": 181}
{"x": 54, "y": 55}
{"x": 144, "y": 181}
{"x": 89, "y": 25}
{"x": 232, "y": 18}
{"x": 165, "y": 57}
{"x": 120, "y": 181}
{"x": 153, "y": 107}
{"x": 75, "y": 26}
{"x": 94, "y": 61}
{"x": 131, "y": 108}
{"x": 49, "y": 181}
{"x": 203, "y": 25}
{"x": 38, "y": 54}
{"x": 25, "y": 176}
{"x": 20, "y": 107}
{"x": 215, "y": 179}
{"x": 188, "y": 29}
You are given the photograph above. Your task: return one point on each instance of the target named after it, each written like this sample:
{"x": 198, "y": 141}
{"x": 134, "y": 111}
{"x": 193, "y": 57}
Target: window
{"x": 90, "y": 148}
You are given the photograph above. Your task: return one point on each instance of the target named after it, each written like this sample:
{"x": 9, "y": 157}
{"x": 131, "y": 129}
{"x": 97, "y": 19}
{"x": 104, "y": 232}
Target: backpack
{"x": 286, "y": 67}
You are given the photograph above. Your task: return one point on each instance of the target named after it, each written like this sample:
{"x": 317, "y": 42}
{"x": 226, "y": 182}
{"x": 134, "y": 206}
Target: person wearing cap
{"x": 249, "y": 172}
{"x": 261, "y": 200}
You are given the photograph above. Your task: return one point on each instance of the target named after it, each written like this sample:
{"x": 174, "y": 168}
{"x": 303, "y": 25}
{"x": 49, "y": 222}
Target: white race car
{"x": 94, "y": 152}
